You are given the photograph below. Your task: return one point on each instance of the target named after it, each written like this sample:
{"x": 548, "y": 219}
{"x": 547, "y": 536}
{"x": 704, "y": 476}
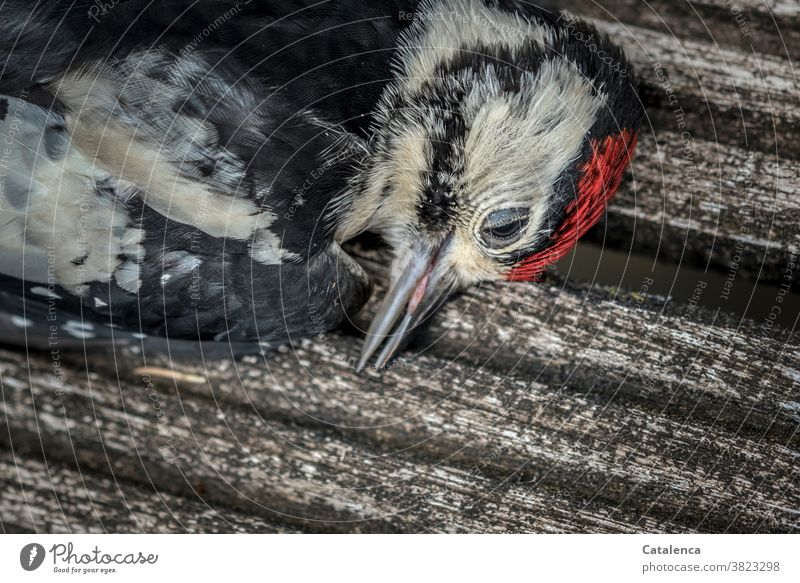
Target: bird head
{"x": 497, "y": 145}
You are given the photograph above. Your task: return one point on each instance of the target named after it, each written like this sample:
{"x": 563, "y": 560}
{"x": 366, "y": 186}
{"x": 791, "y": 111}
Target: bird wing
{"x": 167, "y": 191}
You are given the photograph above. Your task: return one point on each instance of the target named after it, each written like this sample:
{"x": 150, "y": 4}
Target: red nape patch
{"x": 601, "y": 177}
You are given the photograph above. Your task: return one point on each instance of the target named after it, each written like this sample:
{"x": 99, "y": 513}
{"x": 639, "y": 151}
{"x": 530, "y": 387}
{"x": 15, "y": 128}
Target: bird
{"x": 191, "y": 170}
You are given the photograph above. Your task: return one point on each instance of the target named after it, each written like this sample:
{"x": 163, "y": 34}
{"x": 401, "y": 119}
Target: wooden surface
{"x": 717, "y": 175}
{"x": 557, "y": 407}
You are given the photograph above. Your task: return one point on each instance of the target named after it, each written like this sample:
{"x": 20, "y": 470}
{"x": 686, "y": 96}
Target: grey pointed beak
{"x": 416, "y": 293}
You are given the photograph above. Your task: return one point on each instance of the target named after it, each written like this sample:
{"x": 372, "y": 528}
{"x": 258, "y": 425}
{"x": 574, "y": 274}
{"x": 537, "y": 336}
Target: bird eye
{"x": 503, "y": 227}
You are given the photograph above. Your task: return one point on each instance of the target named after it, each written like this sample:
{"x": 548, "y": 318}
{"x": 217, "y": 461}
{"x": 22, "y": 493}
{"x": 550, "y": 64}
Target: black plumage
{"x": 267, "y": 149}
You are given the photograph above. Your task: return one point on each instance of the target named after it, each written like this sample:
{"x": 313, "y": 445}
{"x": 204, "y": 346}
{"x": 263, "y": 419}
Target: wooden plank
{"x": 715, "y": 180}
{"x": 679, "y": 361}
{"x": 709, "y": 204}
{"x": 726, "y": 95}
{"x": 764, "y": 26}
{"x": 267, "y": 468}
{"x": 739, "y": 374}
{"x": 775, "y": 8}
{"x": 680, "y": 419}
{"x": 55, "y": 498}
{"x": 691, "y": 474}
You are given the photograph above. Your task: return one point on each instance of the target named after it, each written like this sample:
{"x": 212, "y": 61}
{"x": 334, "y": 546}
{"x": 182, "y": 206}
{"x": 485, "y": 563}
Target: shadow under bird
{"x": 190, "y": 169}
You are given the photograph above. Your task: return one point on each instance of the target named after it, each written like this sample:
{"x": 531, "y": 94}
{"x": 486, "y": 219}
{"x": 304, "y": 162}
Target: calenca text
{"x": 670, "y": 550}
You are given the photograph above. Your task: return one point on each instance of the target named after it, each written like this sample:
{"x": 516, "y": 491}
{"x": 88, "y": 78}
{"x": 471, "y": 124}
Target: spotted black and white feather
{"x": 163, "y": 190}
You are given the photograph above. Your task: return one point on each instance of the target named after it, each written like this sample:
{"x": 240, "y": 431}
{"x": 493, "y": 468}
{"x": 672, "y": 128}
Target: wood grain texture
{"x": 709, "y": 204}
{"x": 629, "y": 412}
{"x": 425, "y": 446}
{"x": 55, "y": 498}
{"x": 761, "y": 26}
{"x": 217, "y": 448}
{"x": 675, "y": 362}
{"x": 727, "y": 95}
{"x": 716, "y": 175}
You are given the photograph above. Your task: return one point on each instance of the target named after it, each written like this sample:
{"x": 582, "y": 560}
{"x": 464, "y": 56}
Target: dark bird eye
{"x": 503, "y": 227}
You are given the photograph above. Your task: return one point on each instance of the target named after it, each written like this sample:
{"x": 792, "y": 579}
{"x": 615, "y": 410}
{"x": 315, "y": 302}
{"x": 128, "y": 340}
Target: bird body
{"x": 165, "y": 192}
{"x": 190, "y": 170}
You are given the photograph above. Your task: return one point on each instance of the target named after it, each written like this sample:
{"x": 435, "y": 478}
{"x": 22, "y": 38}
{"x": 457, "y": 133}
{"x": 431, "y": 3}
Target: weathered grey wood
{"x": 721, "y": 94}
{"x": 232, "y": 456}
{"x": 724, "y": 185}
{"x": 677, "y": 418}
{"x": 558, "y": 451}
{"x": 55, "y": 498}
{"x": 764, "y": 26}
{"x": 710, "y": 204}
{"x": 683, "y": 361}
{"x": 689, "y": 473}
{"x": 715, "y": 87}
{"x": 730, "y": 376}
{"x": 712, "y": 106}
{"x": 775, "y": 8}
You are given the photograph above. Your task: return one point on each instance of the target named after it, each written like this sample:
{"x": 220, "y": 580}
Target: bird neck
{"x": 354, "y": 210}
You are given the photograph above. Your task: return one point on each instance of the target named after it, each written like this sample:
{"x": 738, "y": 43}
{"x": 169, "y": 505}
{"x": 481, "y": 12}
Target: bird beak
{"x": 416, "y": 293}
